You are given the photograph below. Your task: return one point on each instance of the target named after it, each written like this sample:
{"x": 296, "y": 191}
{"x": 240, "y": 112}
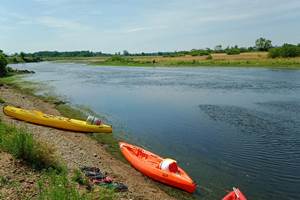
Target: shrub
{"x": 199, "y": 52}
{"x": 209, "y": 57}
{"x": 3, "y": 63}
{"x": 22, "y": 145}
{"x": 275, "y": 52}
{"x": 287, "y": 50}
{"x": 233, "y": 51}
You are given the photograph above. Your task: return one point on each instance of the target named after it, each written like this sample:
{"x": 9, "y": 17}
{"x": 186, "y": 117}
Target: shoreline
{"x": 243, "y": 60}
{"x": 106, "y": 142}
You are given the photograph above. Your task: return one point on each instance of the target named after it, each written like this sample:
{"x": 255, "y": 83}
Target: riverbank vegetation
{"x": 54, "y": 180}
{"x": 22, "y": 145}
{"x": 261, "y": 54}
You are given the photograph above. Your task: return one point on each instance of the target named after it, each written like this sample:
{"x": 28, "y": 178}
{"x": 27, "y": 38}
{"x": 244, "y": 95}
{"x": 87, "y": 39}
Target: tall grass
{"x": 22, "y": 145}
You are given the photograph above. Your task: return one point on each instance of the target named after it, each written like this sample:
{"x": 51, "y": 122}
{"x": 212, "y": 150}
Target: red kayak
{"x": 160, "y": 169}
{"x": 236, "y": 194}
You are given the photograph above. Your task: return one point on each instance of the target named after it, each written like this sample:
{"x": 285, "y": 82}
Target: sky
{"x": 144, "y": 25}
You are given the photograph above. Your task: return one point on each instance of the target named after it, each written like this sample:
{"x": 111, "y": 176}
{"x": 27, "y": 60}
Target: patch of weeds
{"x": 2, "y": 100}
{"x": 4, "y": 181}
{"x": 79, "y": 177}
{"x": 106, "y": 194}
{"x": 70, "y": 112}
{"x": 57, "y": 186}
{"x": 22, "y": 145}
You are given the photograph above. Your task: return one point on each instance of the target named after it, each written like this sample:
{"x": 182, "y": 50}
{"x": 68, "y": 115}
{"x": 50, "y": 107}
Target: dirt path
{"x": 77, "y": 149}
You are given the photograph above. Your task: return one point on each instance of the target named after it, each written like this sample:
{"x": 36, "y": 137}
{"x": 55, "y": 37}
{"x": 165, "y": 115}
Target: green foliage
{"x": 70, "y": 112}
{"x": 209, "y": 57}
{"x": 200, "y": 52}
{"x": 3, "y": 63}
{"x": 22, "y": 145}
{"x": 219, "y": 49}
{"x": 275, "y": 52}
{"x": 57, "y": 187}
{"x": 117, "y": 58}
{"x": 2, "y": 100}
{"x": 263, "y": 44}
{"x": 126, "y": 53}
{"x": 287, "y": 50}
{"x": 80, "y": 178}
{"x": 233, "y": 51}
{"x": 111, "y": 144}
{"x": 67, "y": 54}
{"x": 3, "y": 181}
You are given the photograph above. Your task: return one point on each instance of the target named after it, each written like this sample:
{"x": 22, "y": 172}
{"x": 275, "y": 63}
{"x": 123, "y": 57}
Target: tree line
{"x": 261, "y": 44}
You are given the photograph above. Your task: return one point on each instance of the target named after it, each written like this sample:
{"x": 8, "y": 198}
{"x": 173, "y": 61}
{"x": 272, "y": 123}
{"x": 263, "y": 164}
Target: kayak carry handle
{"x": 236, "y": 192}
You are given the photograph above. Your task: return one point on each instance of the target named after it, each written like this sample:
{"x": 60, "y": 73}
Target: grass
{"x": 252, "y": 59}
{"x": 4, "y": 181}
{"x": 55, "y": 186}
{"x": 70, "y": 112}
{"x": 2, "y": 100}
{"x": 22, "y": 145}
{"x": 79, "y": 178}
{"x": 25, "y": 87}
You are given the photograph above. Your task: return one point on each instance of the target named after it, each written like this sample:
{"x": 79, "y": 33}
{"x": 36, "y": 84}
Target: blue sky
{"x": 140, "y": 25}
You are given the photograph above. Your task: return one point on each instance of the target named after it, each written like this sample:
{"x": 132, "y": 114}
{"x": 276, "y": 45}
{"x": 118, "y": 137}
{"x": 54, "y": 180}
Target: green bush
{"x": 22, "y": 145}
{"x": 275, "y": 52}
{"x": 209, "y": 57}
{"x": 233, "y": 51}
{"x": 287, "y": 50}
{"x": 3, "y": 63}
{"x": 199, "y": 52}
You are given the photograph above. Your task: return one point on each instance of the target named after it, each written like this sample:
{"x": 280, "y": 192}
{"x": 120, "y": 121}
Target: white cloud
{"x": 138, "y": 29}
{"x": 53, "y": 22}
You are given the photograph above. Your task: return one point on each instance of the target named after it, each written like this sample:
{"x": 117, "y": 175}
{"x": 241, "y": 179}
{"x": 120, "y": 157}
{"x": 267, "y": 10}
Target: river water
{"x": 225, "y": 126}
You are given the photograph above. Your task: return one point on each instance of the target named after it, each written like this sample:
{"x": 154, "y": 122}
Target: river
{"x": 225, "y": 126}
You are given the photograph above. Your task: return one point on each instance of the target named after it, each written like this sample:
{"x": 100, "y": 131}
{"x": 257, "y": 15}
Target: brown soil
{"x": 76, "y": 150}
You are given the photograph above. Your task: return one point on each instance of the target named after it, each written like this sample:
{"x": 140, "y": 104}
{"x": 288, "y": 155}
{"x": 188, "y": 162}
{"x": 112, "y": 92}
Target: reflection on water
{"x": 225, "y": 126}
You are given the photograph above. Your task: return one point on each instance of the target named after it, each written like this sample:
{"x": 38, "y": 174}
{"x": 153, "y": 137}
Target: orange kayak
{"x": 149, "y": 164}
{"x": 236, "y": 194}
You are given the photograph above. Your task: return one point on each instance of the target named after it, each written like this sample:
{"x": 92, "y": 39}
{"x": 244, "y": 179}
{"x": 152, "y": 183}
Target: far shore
{"x": 253, "y": 59}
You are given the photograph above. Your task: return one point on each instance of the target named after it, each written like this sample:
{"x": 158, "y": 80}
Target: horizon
{"x": 144, "y": 26}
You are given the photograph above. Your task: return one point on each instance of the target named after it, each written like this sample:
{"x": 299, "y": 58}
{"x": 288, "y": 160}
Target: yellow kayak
{"x": 38, "y": 117}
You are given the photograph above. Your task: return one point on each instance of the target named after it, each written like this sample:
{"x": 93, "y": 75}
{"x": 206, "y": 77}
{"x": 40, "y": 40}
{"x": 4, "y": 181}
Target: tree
{"x": 3, "y": 63}
{"x": 125, "y": 53}
{"x": 263, "y": 44}
{"x": 218, "y": 48}
{"x": 22, "y": 55}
